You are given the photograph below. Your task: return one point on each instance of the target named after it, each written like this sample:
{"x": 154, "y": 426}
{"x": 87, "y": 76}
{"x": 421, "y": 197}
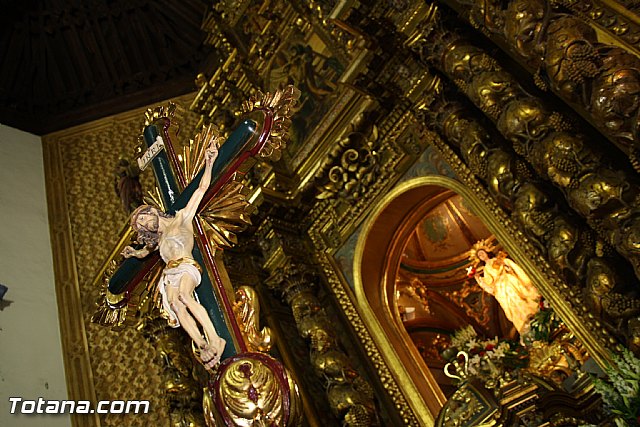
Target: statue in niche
{"x": 507, "y": 282}
{"x": 173, "y": 237}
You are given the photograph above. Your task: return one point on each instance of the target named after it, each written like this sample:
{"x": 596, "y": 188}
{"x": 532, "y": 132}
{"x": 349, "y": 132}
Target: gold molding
{"x": 372, "y": 321}
{"x": 411, "y": 416}
{"x": 332, "y": 222}
{"x": 75, "y": 348}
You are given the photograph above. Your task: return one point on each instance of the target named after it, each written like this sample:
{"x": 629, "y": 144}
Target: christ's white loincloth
{"x": 171, "y": 277}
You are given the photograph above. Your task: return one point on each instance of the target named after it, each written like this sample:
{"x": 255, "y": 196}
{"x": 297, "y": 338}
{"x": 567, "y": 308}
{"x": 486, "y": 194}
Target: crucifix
{"x": 172, "y": 237}
{"x": 184, "y": 239}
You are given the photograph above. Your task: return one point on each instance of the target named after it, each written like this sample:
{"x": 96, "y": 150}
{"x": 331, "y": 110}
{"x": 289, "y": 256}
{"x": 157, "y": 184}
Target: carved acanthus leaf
{"x": 247, "y": 311}
{"x": 351, "y": 167}
{"x": 281, "y": 103}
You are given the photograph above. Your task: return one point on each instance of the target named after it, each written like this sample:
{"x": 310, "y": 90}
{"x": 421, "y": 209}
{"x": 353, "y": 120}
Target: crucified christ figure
{"x": 173, "y": 237}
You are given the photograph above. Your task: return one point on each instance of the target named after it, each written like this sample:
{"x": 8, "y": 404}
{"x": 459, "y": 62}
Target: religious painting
{"x": 307, "y": 63}
{"x": 266, "y": 45}
{"x": 287, "y": 48}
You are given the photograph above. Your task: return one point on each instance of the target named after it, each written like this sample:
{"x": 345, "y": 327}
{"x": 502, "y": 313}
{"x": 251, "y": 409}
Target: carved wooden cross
{"x": 261, "y": 132}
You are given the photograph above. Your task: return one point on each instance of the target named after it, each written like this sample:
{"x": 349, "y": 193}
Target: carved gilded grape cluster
{"x": 350, "y": 396}
{"x": 603, "y": 195}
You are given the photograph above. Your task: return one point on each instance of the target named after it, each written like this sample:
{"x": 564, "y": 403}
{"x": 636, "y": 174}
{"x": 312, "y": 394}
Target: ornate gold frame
{"x": 512, "y": 240}
{"x": 396, "y": 346}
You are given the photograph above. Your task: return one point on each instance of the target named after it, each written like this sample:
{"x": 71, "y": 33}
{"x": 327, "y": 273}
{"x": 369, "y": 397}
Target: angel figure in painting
{"x": 173, "y": 237}
{"x": 508, "y": 283}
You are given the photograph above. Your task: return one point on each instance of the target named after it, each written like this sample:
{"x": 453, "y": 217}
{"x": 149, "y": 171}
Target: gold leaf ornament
{"x": 281, "y": 103}
{"x": 228, "y": 213}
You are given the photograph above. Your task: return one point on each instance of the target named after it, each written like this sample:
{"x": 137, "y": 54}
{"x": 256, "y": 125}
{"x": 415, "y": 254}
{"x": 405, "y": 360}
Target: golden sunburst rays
{"x": 282, "y": 103}
{"x": 192, "y": 157}
{"x": 116, "y": 312}
{"x": 228, "y": 213}
{"x": 154, "y": 198}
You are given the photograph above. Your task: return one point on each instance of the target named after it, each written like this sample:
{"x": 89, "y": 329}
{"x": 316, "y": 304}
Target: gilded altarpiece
{"x": 360, "y": 171}
{"x": 403, "y": 105}
{"x": 491, "y": 179}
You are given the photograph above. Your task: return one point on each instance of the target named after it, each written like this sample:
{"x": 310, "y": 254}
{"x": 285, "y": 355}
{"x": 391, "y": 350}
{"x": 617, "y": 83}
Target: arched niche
{"x": 381, "y": 263}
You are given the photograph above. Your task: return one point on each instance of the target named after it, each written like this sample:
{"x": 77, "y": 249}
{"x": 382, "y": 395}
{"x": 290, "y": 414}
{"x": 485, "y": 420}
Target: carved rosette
{"x": 351, "y": 167}
{"x": 252, "y": 389}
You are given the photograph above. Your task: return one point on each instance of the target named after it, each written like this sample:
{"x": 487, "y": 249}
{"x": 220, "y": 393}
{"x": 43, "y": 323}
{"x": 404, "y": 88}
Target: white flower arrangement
{"x": 487, "y": 358}
{"x": 463, "y": 336}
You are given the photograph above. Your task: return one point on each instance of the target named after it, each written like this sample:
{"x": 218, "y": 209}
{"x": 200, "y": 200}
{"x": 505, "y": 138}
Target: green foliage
{"x": 621, "y": 390}
{"x": 543, "y": 324}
